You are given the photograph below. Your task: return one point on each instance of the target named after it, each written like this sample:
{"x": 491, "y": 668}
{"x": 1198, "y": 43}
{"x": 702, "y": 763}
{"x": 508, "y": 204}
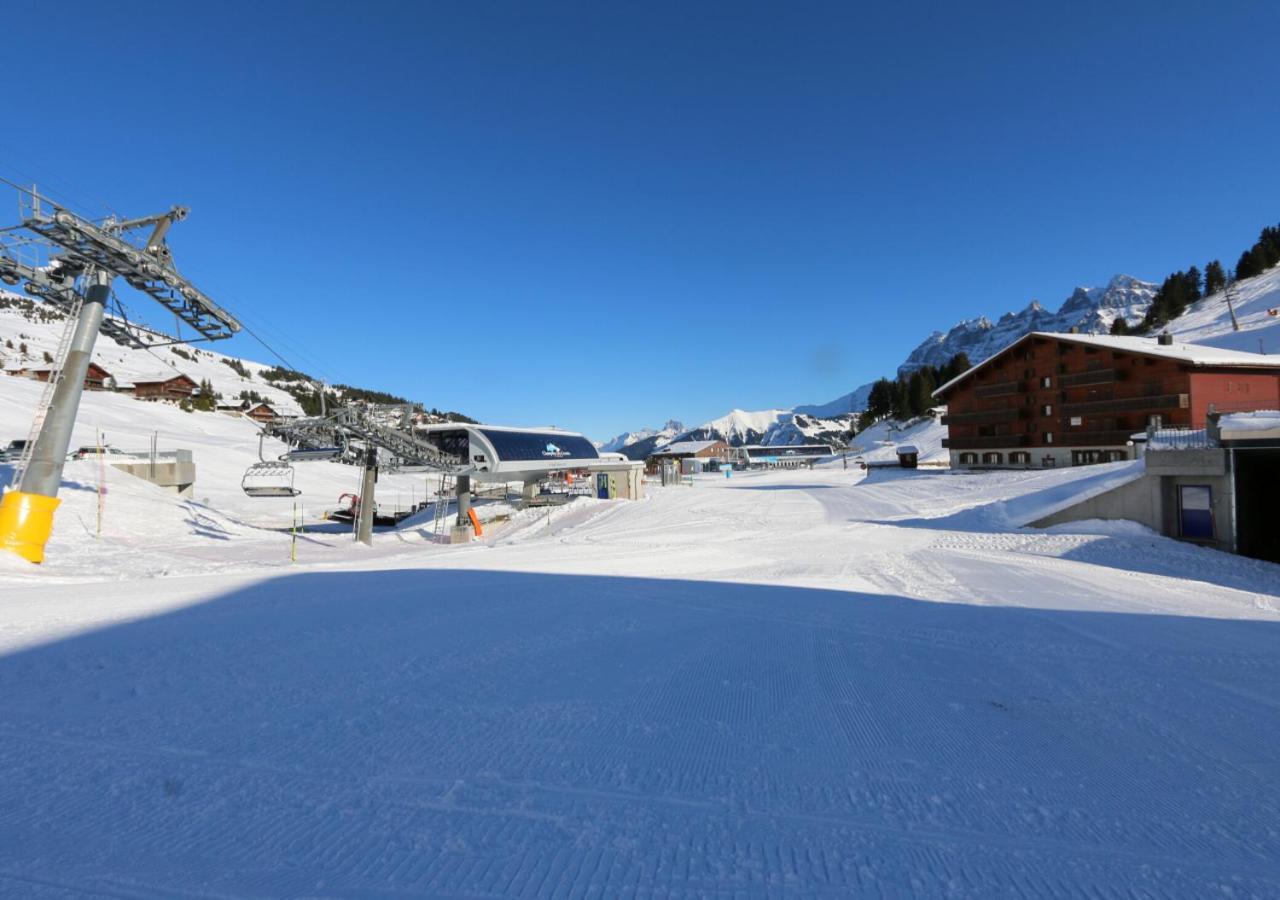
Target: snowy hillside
{"x": 879, "y": 443}
{"x": 39, "y": 328}
{"x": 223, "y": 445}
{"x": 21, "y": 322}
{"x": 1209, "y": 320}
{"x": 1091, "y": 310}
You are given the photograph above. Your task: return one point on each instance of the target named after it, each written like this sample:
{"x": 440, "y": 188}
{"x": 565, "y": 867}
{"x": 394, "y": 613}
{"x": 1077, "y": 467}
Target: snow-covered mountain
{"x": 771, "y": 427}
{"x": 854, "y": 401}
{"x": 627, "y": 438}
{"x": 1090, "y": 310}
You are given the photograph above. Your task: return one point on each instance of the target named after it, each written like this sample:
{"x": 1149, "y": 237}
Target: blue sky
{"x": 600, "y": 216}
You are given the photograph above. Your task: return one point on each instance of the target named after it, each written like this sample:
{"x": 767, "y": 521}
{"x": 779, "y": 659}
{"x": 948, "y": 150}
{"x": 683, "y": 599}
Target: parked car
{"x": 13, "y": 452}
{"x": 84, "y": 452}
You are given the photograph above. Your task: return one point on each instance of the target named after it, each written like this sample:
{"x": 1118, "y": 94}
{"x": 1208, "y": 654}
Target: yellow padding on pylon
{"x": 26, "y": 521}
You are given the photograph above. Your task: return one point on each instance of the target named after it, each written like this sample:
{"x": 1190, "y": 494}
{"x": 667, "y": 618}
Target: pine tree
{"x": 1215, "y": 277}
{"x": 1119, "y": 325}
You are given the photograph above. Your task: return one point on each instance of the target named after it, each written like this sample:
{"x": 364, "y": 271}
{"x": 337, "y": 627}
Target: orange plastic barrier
{"x": 475, "y": 523}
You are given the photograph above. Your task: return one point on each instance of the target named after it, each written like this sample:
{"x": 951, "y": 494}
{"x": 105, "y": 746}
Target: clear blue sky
{"x": 603, "y": 215}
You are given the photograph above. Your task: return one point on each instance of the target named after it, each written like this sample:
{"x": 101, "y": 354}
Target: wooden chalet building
{"x": 176, "y": 388}
{"x": 95, "y": 379}
{"x": 1073, "y": 399}
{"x": 686, "y": 450}
{"x": 262, "y": 413}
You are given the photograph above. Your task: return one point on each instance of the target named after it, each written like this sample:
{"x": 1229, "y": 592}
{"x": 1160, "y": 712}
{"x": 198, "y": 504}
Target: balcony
{"x": 982, "y": 417}
{"x": 1095, "y": 376}
{"x": 1127, "y": 404}
{"x": 1115, "y": 438}
{"x": 991, "y": 442}
{"x": 999, "y": 389}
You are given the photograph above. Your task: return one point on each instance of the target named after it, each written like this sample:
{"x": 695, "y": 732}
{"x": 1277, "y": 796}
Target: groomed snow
{"x": 784, "y": 684}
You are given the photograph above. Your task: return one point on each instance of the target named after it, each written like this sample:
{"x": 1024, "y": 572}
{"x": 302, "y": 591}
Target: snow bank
{"x": 1261, "y": 420}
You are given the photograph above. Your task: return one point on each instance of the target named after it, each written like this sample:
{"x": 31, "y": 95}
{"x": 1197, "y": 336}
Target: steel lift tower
{"x": 71, "y": 262}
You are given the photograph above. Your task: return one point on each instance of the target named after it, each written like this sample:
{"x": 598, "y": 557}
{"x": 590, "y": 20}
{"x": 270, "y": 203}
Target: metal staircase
{"x": 443, "y": 493}
{"x": 55, "y": 376}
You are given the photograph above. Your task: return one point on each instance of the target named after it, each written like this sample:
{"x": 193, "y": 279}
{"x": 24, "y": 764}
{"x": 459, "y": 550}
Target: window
{"x": 968, "y": 459}
{"x": 1155, "y": 421}
{"x": 1046, "y": 410}
{"x": 1048, "y": 437}
{"x": 1048, "y": 462}
{"x": 1046, "y": 381}
{"x": 1020, "y": 458}
{"x": 1076, "y": 421}
{"x": 992, "y": 459}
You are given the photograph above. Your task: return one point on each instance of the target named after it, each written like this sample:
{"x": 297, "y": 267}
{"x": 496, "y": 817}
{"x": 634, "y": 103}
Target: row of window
{"x": 1023, "y": 458}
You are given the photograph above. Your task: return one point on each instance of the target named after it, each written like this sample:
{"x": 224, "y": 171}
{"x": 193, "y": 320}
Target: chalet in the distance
{"x": 1073, "y": 399}
{"x": 173, "y": 387}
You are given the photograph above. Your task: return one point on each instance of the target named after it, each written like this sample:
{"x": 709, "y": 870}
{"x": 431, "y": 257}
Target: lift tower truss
{"x": 71, "y": 262}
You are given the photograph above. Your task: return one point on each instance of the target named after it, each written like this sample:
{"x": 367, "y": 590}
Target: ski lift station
{"x": 463, "y": 454}
{"x": 786, "y": 456}
{"x": 502, "y": 453}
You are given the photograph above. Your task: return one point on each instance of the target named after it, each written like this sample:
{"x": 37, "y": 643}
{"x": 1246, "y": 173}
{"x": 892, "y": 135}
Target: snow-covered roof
{"x": 1193, "y": 354}
{"x": 155, "y": 377}
{"x": 1264, "y": 423}
{"x": 685, "y": 447}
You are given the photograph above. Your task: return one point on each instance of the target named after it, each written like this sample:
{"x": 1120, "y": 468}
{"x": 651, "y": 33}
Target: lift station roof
{"x": 501, "y": 450}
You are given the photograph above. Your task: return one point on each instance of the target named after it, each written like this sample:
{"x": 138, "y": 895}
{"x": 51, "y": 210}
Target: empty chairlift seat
{"x": 269, "y": 479}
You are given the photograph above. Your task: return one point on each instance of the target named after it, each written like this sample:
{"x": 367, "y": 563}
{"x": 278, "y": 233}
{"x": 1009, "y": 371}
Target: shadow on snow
{"x": 490, "y": 733}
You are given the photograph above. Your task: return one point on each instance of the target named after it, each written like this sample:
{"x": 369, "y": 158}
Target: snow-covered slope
{"x": 840, "y": 685}
{"x": 1209, "y": 320}
{"x": 22, "y": 322}
{"x": 879, "y": 442}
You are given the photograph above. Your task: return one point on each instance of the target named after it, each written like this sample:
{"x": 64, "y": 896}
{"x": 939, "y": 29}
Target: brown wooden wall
{"x": 1095, "y": 397}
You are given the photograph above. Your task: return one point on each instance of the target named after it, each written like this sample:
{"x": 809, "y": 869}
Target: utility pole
{"x": 1235, "y": 326}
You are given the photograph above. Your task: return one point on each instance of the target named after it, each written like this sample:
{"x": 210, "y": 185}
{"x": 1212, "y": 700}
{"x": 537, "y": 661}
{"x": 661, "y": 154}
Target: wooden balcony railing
{"x": 981, "y": 416}
{"x": 1095, "y": 376}
{"x": 999, "y": 389}
{"x": 991, "y": 442}
{"x": 1153, "y": 404}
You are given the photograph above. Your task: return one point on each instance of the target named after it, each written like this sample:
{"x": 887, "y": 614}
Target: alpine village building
{"x": 1074, "y": 399}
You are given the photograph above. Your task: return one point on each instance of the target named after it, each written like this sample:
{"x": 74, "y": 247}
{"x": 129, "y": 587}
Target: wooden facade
{"x": 177, "y": 388}
{"x": 95, "y": 379}
{"x": 1057, "y": 400}
{"x": 262, "y": 413}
